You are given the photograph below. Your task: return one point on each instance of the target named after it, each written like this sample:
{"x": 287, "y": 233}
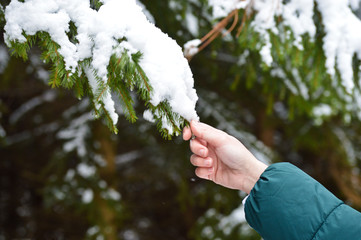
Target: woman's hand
{"x": 222, "y": 158}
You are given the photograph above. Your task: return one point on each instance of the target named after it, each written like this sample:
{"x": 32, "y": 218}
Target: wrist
{"x": 252, "y": 174}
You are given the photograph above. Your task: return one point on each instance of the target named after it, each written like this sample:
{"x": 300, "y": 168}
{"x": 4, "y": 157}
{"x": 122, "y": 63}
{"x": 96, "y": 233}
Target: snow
{"x": 107, "y": 99}
{"x": 191, "y": 47}
{"x": 85, "y": 170}
{"x": 69, "y": 176}
{"x": 146, "y": 12}
{"x": 59, "y": 194}
{"x": 226, "y": 223}
{"x": 98, "y": 33}
{"x": 236, "y": 217}
{"x": 148, "y": 115}
{"x": 347, "y": 145}
{"x": 111, "y": 194}
{"x": 76, "y": 134}
{"x": 300, "y": 84}
{"x": 322, "y": 110}
{"x": 354, "y": 4}
{"x": 222, "y": 8}
{"x": 263, "y": 22}
{"x": 299, "y": 16}
{"x": 92, "y": 230}
{"x": 87, "y": 196}
{"x": 128, "y": 157}
{"x": 341, "y": 41}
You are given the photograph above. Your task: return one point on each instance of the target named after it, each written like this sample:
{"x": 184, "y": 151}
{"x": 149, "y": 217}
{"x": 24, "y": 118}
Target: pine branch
{"x": 143, "y": 85}
{"x": 103, "y": 90}
{"x": 126, "y": 101}
{"x": 124, "y": 74}
{"x": 79, "y": 85}
{"x": 171, "y": 118}
{"x": 21, "y": 49}
{"x": 95, "y": 4}
{"x": 54, "y": 80}
{"x": 109, "y": 121}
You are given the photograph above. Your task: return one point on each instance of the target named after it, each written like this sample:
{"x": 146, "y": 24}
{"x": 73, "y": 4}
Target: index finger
{"x": 187, "y": 133}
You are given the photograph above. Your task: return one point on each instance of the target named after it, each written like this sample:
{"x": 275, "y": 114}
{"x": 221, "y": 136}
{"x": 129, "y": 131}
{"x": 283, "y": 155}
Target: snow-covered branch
{"x": 79, "y": 39}
{"x": 341, "y": 26}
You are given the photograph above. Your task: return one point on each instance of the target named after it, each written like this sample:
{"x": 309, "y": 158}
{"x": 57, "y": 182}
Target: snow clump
{"x": 97, "y": 38}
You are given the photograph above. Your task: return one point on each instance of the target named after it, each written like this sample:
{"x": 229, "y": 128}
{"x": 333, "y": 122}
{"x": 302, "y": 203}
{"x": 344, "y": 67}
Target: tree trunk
{"x": 108, "y": 173}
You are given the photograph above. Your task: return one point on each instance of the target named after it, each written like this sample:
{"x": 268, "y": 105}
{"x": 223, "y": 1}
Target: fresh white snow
{"x": 342, "y": 27}
{"x": 85, "y": 170}
{"x": 87, "y": 196}
{"x": 191, "y": 47}
{"x": 98, "y": 33}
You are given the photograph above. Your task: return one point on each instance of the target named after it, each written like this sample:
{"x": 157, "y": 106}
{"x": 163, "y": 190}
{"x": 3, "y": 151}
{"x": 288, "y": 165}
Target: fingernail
{"x": 202, "y": 152}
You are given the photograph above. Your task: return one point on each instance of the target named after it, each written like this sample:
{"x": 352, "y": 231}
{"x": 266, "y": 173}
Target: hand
{"x": 222, "y": 158}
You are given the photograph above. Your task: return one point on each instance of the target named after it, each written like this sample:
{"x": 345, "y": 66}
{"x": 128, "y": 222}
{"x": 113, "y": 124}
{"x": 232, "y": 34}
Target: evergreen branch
{"x": 102, "y": 92}
{"x": 55, "y": 49}
{"x": 21, "y": 49}
{"x": 111, "y": 125}
{"x": 116, "y": 66}
{"x": 123, "y": 68}
{"x": 127, "y": 101}
{"x": 161, "y": 111}
{"x": 125, "y": 98}
{"x": 124, "y": 74}
{"x": 79, "y": 86}
{"x": 95, "y": 4}
{"x": 165, "y": 107}
{"x": 54, "y": 78}
{"x": 145, "y": 80}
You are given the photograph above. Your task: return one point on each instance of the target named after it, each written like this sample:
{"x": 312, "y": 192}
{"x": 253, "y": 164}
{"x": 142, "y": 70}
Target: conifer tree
{"x": 91, "y": 73}
{"x": 239, "y": 93}
{"x": 298, "y": 47}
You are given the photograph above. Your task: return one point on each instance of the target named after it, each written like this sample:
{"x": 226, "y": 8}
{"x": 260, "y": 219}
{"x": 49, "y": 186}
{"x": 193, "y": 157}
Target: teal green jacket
{"x": 287, "y": 204}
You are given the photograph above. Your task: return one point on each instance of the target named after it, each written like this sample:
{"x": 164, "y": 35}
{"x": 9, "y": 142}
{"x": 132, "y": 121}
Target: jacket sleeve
{"x": 287, "y": 204}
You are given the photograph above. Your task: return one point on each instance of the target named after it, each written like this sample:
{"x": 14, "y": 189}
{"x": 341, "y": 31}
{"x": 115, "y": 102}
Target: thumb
{"x": 206, "y": 132}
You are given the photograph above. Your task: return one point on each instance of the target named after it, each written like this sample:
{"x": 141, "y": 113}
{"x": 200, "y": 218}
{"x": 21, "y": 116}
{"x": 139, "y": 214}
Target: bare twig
{"x": 217, "y": 29}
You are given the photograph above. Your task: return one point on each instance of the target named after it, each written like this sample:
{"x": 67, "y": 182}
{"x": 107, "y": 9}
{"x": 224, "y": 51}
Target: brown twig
{"x": 235, "y": 20}
{"x": 244, "y": 18}
{"x": 216, "y": 30}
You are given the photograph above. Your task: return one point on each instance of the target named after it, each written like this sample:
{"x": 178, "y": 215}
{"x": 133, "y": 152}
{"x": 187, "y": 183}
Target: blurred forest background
{"x": 64, "y": 175}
